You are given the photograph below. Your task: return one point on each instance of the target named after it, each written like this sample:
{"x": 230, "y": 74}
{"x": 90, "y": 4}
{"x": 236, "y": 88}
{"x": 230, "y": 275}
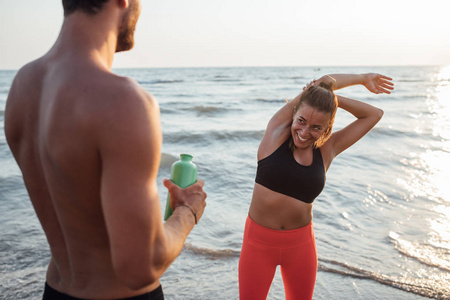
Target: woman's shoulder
{"x": 270, "y": 143}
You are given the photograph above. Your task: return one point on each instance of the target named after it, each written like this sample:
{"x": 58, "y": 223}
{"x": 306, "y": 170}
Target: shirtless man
{"x": 88, "y": 144}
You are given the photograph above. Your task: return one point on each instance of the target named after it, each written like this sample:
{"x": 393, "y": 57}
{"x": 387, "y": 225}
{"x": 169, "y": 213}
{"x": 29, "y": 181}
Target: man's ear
{"x": 123, "y": 3}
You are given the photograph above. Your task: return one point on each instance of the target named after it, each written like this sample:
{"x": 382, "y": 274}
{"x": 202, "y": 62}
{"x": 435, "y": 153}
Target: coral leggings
{"x": 264, "y": 249}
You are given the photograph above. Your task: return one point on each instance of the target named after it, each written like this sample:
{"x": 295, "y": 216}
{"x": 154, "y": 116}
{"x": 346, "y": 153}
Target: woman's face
{"x": 308, "y": 125}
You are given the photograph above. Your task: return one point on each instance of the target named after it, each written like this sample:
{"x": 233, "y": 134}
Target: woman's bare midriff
{"x": 277, "y": 211}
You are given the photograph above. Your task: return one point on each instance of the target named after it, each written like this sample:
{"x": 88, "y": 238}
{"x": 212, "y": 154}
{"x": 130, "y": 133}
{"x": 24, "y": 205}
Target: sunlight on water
{"x": 439, "y": 169}
{"x": 444, "y": 74}
{"x": 437, "y": 173}
{"x": 440, "y": 235}
{"x": 426, "y": 254}
{"x": 427, "y": 282}
{"x": 439, "y": 103}
{"x": 422, "y": 169}
{"x": 427, "y": 173}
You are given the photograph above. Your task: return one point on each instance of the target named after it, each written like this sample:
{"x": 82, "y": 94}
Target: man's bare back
{"x": 88, "y": 144}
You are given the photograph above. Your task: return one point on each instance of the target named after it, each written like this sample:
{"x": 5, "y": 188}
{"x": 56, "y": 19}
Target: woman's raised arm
{"x": 367, "y": 116}
{"x": 375, "y": 83}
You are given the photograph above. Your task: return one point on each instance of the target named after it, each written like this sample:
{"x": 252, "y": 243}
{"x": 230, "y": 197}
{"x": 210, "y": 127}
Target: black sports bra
{"x": 280, "y": 172}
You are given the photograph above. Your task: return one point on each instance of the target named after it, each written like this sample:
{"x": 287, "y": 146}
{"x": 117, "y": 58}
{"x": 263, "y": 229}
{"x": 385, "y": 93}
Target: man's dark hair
{"x": 88, "y": 6}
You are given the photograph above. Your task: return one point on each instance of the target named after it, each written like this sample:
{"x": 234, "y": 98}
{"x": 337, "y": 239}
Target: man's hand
{"x": 192, "y": 196}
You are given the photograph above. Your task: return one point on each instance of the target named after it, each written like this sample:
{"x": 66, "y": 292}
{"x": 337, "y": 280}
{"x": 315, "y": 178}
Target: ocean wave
{"x": 167, "y": 160}
{"x": 425, "y": 254}
{"x": 417, "y": 96}
{"x": 179, "y": 95}
{"x": 212, "y": 136}
{"x": 221, "y": 79}
{"x": 212, "y": 254}
{"x": 160, "y": 81}
{"x": 170, "y": 108}
{"x": 270, "y": 100}
{"x": 294, "y": 77}
{"x": 411, "y": 80}
{"x": 431, "y": 288}
{"x": 207, "y": 109}
{"x": 391, "y": 132}
{"x": 4, "y": 90}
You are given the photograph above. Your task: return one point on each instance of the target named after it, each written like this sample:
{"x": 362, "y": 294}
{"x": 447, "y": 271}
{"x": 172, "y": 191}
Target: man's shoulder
{"x": 124, "y": 91}
{"x": 125, "y": 112}
{"x": 28, "y": 74}
{"x": 26, "y": 85}
{"x": 120, "y": 100}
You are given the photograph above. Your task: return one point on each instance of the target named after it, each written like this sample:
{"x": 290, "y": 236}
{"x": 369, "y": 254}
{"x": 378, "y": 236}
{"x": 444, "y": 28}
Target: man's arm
{"x": 142, "y": 247}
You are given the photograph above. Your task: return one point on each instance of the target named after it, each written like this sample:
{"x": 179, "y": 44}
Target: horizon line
{"x": 268, "y": 66}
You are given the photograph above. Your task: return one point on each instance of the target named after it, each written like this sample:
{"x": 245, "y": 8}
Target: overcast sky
{"x": 199, "y": 33}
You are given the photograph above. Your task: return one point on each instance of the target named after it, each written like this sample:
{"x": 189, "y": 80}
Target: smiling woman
{"x": 308, "y": 126}
{"x": 293, "y": 156}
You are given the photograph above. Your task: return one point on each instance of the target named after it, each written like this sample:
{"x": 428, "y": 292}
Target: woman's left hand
{"x": 312, "y": 83}
{"x": 326, "y": 78}
{"x": 378, "y": 84}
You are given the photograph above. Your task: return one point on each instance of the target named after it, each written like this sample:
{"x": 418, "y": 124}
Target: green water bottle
{"x": 183, "y": 174}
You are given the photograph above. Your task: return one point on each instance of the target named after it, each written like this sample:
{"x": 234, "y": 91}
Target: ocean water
{"x": 382, "y": 223}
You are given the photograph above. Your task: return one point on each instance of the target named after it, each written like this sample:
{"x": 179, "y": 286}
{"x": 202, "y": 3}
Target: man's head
{"x": 125, "y": 38}
{"x": 88, "y": 6}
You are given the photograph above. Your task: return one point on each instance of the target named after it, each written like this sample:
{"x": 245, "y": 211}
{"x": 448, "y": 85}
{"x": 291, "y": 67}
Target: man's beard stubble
{"x": 125, "y": 39}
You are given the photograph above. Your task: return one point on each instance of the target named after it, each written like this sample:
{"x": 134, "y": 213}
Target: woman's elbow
{"x": 375, "y": 116}
{"x": 379, "y": 113}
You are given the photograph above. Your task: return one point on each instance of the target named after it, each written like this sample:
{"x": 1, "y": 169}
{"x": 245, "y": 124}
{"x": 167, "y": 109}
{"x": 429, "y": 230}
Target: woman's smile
{"x": 308, "y": 125}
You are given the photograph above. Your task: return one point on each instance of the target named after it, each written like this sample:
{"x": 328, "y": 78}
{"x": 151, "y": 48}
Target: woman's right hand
{"x": 377, "y": 83}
